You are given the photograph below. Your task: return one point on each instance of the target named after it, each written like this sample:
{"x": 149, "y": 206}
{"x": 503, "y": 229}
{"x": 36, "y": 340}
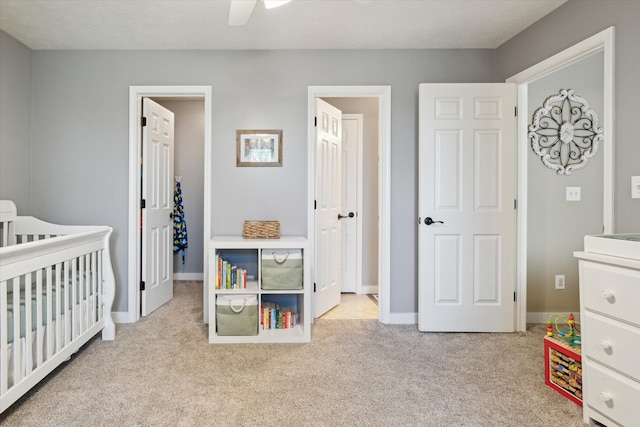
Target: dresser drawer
{"x": 611, "y": 394}
{"x": 612, "y": 343}
{"x": 614, "y": 291}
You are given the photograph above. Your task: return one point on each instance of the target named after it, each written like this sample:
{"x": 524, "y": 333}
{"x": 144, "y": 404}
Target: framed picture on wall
{"x": 259, "y": 147}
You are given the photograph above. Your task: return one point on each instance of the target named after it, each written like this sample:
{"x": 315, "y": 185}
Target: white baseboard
{"x": 542, "y": 317}
{"x": 403, "y": 318}
{"x": 532, "y": 317}
{"x": 188, "y": 276}
{"x": 121, "y": 317}
{"x": 394, "y": 318}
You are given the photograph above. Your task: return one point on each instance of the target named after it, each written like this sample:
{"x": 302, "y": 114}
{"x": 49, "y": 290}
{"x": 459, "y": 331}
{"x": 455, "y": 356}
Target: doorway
{"x": 189, "y": 150}
{"x": 359, "y": 254}
{"x": 600, "y": 42}
{"x": 381, "y": 95}
{"x": 551, "y": 241}
{"x": 136, "y": 94}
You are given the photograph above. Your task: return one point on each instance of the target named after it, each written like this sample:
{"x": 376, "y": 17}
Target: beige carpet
{"x": 353, "y": 306}
{"x": 161, "y": 371}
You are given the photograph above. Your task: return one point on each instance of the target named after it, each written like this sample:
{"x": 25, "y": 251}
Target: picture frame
{"x": 259, "y": 148}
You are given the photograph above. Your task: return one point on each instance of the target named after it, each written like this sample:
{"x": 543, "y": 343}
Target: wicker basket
{"x": 261, "y": 230}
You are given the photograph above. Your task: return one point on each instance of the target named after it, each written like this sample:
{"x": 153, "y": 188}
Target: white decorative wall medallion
{"x": 565, "y": 132}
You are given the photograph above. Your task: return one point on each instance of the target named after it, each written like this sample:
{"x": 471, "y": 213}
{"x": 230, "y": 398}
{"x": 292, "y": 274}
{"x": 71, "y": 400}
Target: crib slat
{"x": 39, "y": 328}
{"x": 87, "y": 294}
{"x": 16, "y": 330}
{"x": 84, "y": 296}
{"x": 67, "y": 296}
{"x": 4, "y": 338}
{"x": 28, "y": 324}
{"x": 80, "y": 289}
{"x": 49, "y": 314}
{"x": 100, "y": 289}
{"x": 58, "y": 314}
{"x": 94, "y": 288}
{"x": 74, "y": 299}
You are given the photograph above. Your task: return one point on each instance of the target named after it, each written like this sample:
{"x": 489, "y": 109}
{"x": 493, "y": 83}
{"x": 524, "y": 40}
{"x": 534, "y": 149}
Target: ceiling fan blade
{"x": 240, "y": 11}
{"x": 270, "y": 4}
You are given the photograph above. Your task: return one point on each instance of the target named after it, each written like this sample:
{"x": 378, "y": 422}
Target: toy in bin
{"x": 563, "y": 357}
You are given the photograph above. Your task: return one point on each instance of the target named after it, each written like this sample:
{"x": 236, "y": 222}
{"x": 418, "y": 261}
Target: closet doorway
{"x": 380, "y": 96}
{"x": 358, "y": 264}
{"x": 168, "y": 94}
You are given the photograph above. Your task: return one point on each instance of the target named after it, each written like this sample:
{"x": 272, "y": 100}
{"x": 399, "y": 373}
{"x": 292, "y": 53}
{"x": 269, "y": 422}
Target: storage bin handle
{"x": 238, "y": 309}
{"x": 282, "y": 260}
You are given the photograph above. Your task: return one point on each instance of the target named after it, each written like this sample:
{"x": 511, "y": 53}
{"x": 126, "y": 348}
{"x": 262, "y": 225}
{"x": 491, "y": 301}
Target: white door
{"x": 467, "y": 186}
{"x": 157, "y": 193}
{"x": 328, "y": 207}
{"x": 352, "y": 127}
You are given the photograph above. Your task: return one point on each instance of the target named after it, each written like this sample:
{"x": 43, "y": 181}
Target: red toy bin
{"x": 563, "y": 369}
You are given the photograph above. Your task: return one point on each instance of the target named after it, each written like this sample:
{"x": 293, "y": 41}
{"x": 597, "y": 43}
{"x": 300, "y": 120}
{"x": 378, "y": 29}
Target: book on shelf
{"x": 229, "y": 276}
{"x": 273, "y": 316}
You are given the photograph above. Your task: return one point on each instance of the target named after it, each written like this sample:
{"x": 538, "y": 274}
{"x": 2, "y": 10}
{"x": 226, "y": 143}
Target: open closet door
{"x": 467, "y": 189}
{"x": 157, "y": 212}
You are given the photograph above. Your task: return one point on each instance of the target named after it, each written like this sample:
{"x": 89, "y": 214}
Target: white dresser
{"x": 610, "y": 315}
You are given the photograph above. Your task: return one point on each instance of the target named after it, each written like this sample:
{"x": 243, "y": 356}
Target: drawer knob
{"x": 606, "y": 397}
{"x": 605, "y": 345}
{"x": 607, "y": 294}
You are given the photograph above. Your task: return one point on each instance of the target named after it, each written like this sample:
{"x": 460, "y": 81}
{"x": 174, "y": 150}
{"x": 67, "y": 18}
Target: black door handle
{"x": 429, "y": 221}
{"x": 171, "y": 215}
{"x": 349, "y": 215}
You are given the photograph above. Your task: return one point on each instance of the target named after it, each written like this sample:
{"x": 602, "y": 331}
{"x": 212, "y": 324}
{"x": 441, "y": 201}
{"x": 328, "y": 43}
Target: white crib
{"x": 56, "y": 291}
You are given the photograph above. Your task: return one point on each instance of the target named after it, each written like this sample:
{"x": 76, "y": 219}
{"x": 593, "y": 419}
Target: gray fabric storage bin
{"x": 237, "y": 315}
{"x": 281, "y": 269}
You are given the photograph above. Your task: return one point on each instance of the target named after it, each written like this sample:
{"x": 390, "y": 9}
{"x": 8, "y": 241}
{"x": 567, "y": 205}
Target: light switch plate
{"x": 635, "y": 187}
{"x": 573, "y": 194}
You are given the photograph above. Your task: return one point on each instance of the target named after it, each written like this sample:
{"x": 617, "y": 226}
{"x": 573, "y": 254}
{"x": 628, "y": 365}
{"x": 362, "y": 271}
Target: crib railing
{"x": 56, "y": 290}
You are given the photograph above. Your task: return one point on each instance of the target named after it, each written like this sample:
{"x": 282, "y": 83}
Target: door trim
{"x": 600, "y": 42}
{"x": 136, "y": 93}
{"x": 383, "y": 93}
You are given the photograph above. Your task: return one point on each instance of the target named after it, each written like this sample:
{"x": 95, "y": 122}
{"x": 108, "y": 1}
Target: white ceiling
{"x": 301, "y": 24}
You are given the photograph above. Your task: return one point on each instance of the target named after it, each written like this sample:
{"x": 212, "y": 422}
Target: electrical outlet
{"x": 559, "y": 281}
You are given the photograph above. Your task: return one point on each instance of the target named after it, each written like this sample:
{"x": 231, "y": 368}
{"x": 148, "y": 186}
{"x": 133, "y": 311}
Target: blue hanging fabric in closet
{"x": 180, "y": 242}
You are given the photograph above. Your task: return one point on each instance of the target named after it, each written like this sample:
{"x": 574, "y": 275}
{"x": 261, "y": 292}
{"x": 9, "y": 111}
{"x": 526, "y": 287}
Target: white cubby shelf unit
{"x": 247, "y": 255}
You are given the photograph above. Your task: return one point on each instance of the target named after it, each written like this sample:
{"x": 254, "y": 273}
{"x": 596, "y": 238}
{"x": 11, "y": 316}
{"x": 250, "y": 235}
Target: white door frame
{"x": 383, "y": 94}
{"x": 601, "y": 42}
{"x": 136, "y": 93}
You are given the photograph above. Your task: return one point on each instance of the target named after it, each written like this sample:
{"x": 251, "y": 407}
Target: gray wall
{"x": 569, "y": 24}
{"x": 79, "y": 124}
{"x": 368, "y": 107}
{"x": 189, "y": 152}
{"x": 80, "y": 134}
{"x": 556, "y": 227}
{"x": 15, "y": 123}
